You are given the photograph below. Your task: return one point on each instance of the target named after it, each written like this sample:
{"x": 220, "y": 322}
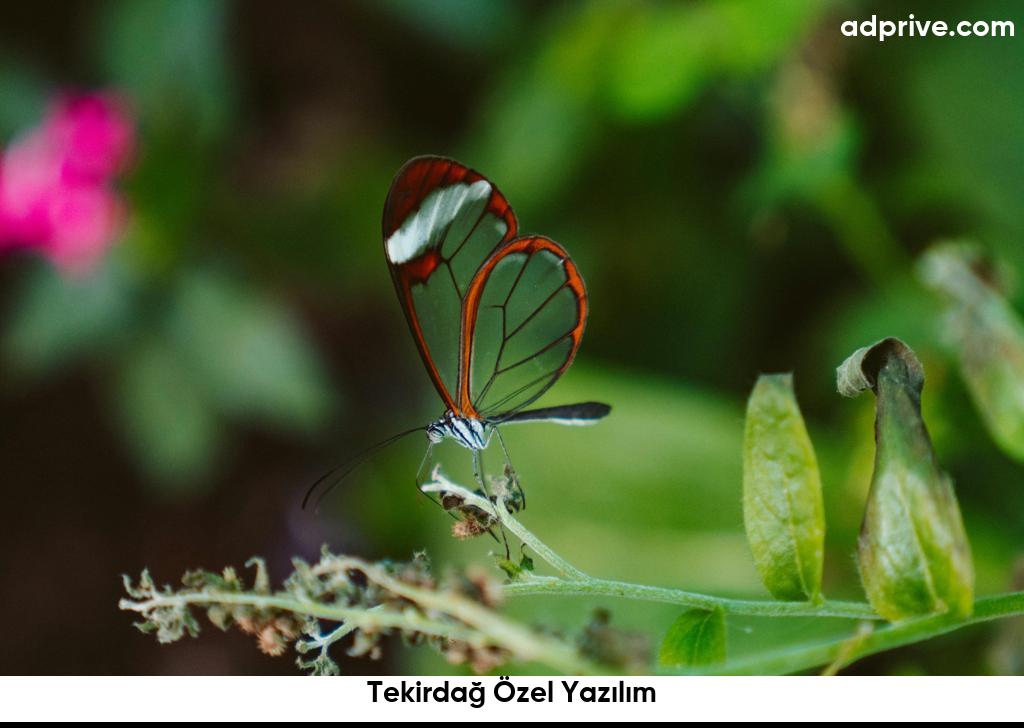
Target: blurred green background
{"x": 744, "y": 189}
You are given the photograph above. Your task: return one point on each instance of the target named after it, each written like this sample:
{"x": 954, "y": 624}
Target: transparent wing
{"x": 523, "y": 322}
{"x": 442, "y": 220}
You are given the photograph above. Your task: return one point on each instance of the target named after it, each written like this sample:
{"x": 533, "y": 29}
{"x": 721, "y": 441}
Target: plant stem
{"x": 324, "y": 641}
{"x": 359, "y": 617}
{"x": 838, "y": 653}
{"x": 442, "y": 484}
{"x": 575, "y": 582}
{"x": 523, "y": 642}
{"x": 846, "y": 650}
{"x": 444, "y": 614}
{"x": 532, "y": 585}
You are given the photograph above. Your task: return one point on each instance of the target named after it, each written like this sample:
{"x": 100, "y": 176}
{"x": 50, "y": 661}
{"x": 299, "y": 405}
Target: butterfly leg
{"x": 513, "y": 477}
{"x": 478, "y": 473}
{"x": 425, "y": 465}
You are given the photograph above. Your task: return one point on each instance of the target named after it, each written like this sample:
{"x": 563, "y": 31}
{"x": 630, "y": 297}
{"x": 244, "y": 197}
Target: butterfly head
{"x": 467, "y": 431}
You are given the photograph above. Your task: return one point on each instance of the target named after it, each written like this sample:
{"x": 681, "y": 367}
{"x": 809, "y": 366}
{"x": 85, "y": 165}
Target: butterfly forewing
{"x": 441, "y": 222}
{"x": 523, "y": 321}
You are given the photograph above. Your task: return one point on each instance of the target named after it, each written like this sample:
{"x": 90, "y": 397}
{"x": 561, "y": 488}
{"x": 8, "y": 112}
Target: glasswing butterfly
{"x": 497, "y": 316}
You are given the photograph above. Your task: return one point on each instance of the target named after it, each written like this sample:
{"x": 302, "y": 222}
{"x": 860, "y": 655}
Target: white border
{"x": 348, "y": 698}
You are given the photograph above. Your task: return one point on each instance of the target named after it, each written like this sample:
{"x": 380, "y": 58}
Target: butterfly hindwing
{"x": 523, "y": 322}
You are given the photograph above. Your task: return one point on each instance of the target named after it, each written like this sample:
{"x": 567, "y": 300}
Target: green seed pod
{"x": 913, "y": 552}
{"x": 782, "y": 503}
{"x": 987, "y": 336}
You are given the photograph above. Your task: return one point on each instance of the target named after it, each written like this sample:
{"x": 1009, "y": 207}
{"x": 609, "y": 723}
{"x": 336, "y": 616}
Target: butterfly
{"x": 497, "y": 317}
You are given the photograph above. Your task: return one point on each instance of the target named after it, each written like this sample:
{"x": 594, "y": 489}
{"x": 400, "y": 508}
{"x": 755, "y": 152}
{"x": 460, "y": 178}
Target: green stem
{"x": 862, "y": 229}
{"x": 525, "y": 643}
{"x": 844, "y": 651}
{"x": 324, "y": 641}
{"x": 590, "y": 586}
{"x": 837, "y": 653}
{"x": 442, "y": 484}
{"x": 576, "y": 582}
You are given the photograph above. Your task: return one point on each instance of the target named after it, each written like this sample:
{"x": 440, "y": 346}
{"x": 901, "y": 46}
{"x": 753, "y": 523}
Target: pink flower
{"x": 96, "y": 133}
{"x": 56, "y": 182}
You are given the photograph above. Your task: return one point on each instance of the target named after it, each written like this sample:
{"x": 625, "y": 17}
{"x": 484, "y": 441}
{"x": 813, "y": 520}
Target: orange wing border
{"x": 471, "y": 304}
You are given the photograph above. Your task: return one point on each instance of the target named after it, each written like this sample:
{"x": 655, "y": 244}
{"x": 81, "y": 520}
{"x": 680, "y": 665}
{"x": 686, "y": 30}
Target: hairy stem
{"x": 525, "y": 643}
{"x": 590, "y": 586}
{"x": 867, "y": 639}
{"x": 359, "y": 618}
{"x": 442, "y": 484}
{"x": 575, "y": 582}
{"x": 441, "y": 614}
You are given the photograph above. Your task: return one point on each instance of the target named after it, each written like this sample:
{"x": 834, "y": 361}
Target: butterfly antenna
{"x": 336, "y": 475}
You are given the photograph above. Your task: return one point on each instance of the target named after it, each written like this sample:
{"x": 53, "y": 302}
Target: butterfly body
{"x": 469, "y": 432}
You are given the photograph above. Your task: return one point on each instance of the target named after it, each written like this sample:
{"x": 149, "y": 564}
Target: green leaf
{"x": 664, "y": 55}
{"x": 540, "y": 123}
{"x": 696, "y": 638}
{"x": 57, "y": 319}
{"x": 462, "y": 24}
{"x": 23, "y": 96}
{"x": 168, "y": 421}
{"x": 913, "y": 552}
{"x": 755, "y": 34}
{"x": 660, "y": 59}
{"x": 249, "y": 355}
{"x": 171, "y": 57}
{"x": 987, "y": 336}
{"x": 782, "y": 502}
{"x": 511, "y": 568}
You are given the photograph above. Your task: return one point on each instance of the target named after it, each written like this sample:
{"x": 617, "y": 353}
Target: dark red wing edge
{"x": 412, "y": 184}
{"x": 421, "y": 175}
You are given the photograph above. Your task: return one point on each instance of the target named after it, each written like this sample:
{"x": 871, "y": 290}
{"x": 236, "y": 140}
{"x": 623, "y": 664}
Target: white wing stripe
{"x": 437, "y": 210}
{"x": 570, "y": 421}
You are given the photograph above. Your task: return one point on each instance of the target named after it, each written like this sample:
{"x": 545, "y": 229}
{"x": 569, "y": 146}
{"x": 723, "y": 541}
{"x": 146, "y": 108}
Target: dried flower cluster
{"x": 370, "y": 602}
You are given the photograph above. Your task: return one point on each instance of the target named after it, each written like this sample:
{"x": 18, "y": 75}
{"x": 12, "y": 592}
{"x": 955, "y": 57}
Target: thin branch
{"x": 575, "y": 582}
{"x": 533, "y": 585}
{"x": 867, "y": 639}
{"x": 359, "y": 618}
{"x": 521, "y": 641}
{"x": 441, "y": 484}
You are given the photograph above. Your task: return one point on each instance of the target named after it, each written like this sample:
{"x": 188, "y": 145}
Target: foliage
{"x": 695, "y": 639}
{"x": 986, "y": 335}
{"x": 913, "y": 552}
{"x": 782, "y": 503}
{"x": 914, "y": 559}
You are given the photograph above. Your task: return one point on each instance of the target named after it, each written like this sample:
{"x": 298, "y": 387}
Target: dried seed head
{"x": 463, "y": 530}
{"x": 247, "y": 623}
{"x": 271, "y": 641}
{"x": 480, "y": 659}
